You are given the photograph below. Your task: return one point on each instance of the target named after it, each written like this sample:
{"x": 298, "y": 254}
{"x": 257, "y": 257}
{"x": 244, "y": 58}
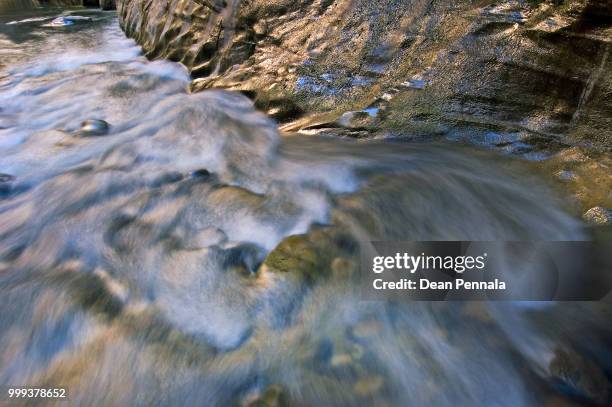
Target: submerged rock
{"x": 313, "y": 255}
{"x": 295, "y": 254}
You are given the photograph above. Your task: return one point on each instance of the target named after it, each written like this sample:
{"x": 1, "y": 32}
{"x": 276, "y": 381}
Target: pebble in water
{"x": 93, "y": 127}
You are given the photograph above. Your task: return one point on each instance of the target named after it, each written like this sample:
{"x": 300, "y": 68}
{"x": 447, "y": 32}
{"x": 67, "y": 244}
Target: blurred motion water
{"x": 133, "y": 263}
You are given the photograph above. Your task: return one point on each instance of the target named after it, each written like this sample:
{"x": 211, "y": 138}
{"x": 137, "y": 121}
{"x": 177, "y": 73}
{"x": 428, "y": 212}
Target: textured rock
{"x": 309, "y": 256}
{"x": 598, "y": 216}
{"x": 543, "y": 66}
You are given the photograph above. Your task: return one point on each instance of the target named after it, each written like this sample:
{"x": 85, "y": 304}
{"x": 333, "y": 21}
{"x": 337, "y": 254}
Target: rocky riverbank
{"x": 531, "y": 78}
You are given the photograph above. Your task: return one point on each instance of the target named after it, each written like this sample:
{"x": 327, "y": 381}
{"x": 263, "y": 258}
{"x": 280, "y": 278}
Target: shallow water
{"x": 131, "y": 261}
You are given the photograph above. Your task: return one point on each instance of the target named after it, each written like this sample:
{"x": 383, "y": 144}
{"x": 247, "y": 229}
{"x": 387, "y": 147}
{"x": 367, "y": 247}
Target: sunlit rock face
{"x": 538, "y": 65}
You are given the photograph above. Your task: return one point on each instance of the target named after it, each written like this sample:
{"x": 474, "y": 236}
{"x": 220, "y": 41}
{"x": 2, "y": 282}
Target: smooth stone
{"x": 94, "y": 127}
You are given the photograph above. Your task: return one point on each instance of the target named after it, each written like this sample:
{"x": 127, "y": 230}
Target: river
{"x": 131, "y": 254}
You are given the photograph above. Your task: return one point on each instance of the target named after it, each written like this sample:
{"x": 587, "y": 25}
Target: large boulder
{"x": 541, "y": 66}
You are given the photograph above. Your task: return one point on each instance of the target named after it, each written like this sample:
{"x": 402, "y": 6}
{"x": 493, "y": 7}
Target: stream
{"x": 135, "y": 264}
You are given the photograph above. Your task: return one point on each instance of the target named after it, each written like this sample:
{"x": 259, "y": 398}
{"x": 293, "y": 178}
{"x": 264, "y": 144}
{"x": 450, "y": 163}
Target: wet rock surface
{"x": 598, "y": 216}
{"x": 541, "y": 66}
{"x": 526, "y": 78}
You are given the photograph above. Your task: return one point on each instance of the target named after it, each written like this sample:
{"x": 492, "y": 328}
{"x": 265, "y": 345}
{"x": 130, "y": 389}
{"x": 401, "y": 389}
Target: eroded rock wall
{"x": 544, "y": 66}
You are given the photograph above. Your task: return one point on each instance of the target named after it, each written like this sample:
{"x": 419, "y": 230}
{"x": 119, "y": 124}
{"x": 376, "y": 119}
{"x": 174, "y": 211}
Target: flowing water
{"x": 132, "y": 264}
